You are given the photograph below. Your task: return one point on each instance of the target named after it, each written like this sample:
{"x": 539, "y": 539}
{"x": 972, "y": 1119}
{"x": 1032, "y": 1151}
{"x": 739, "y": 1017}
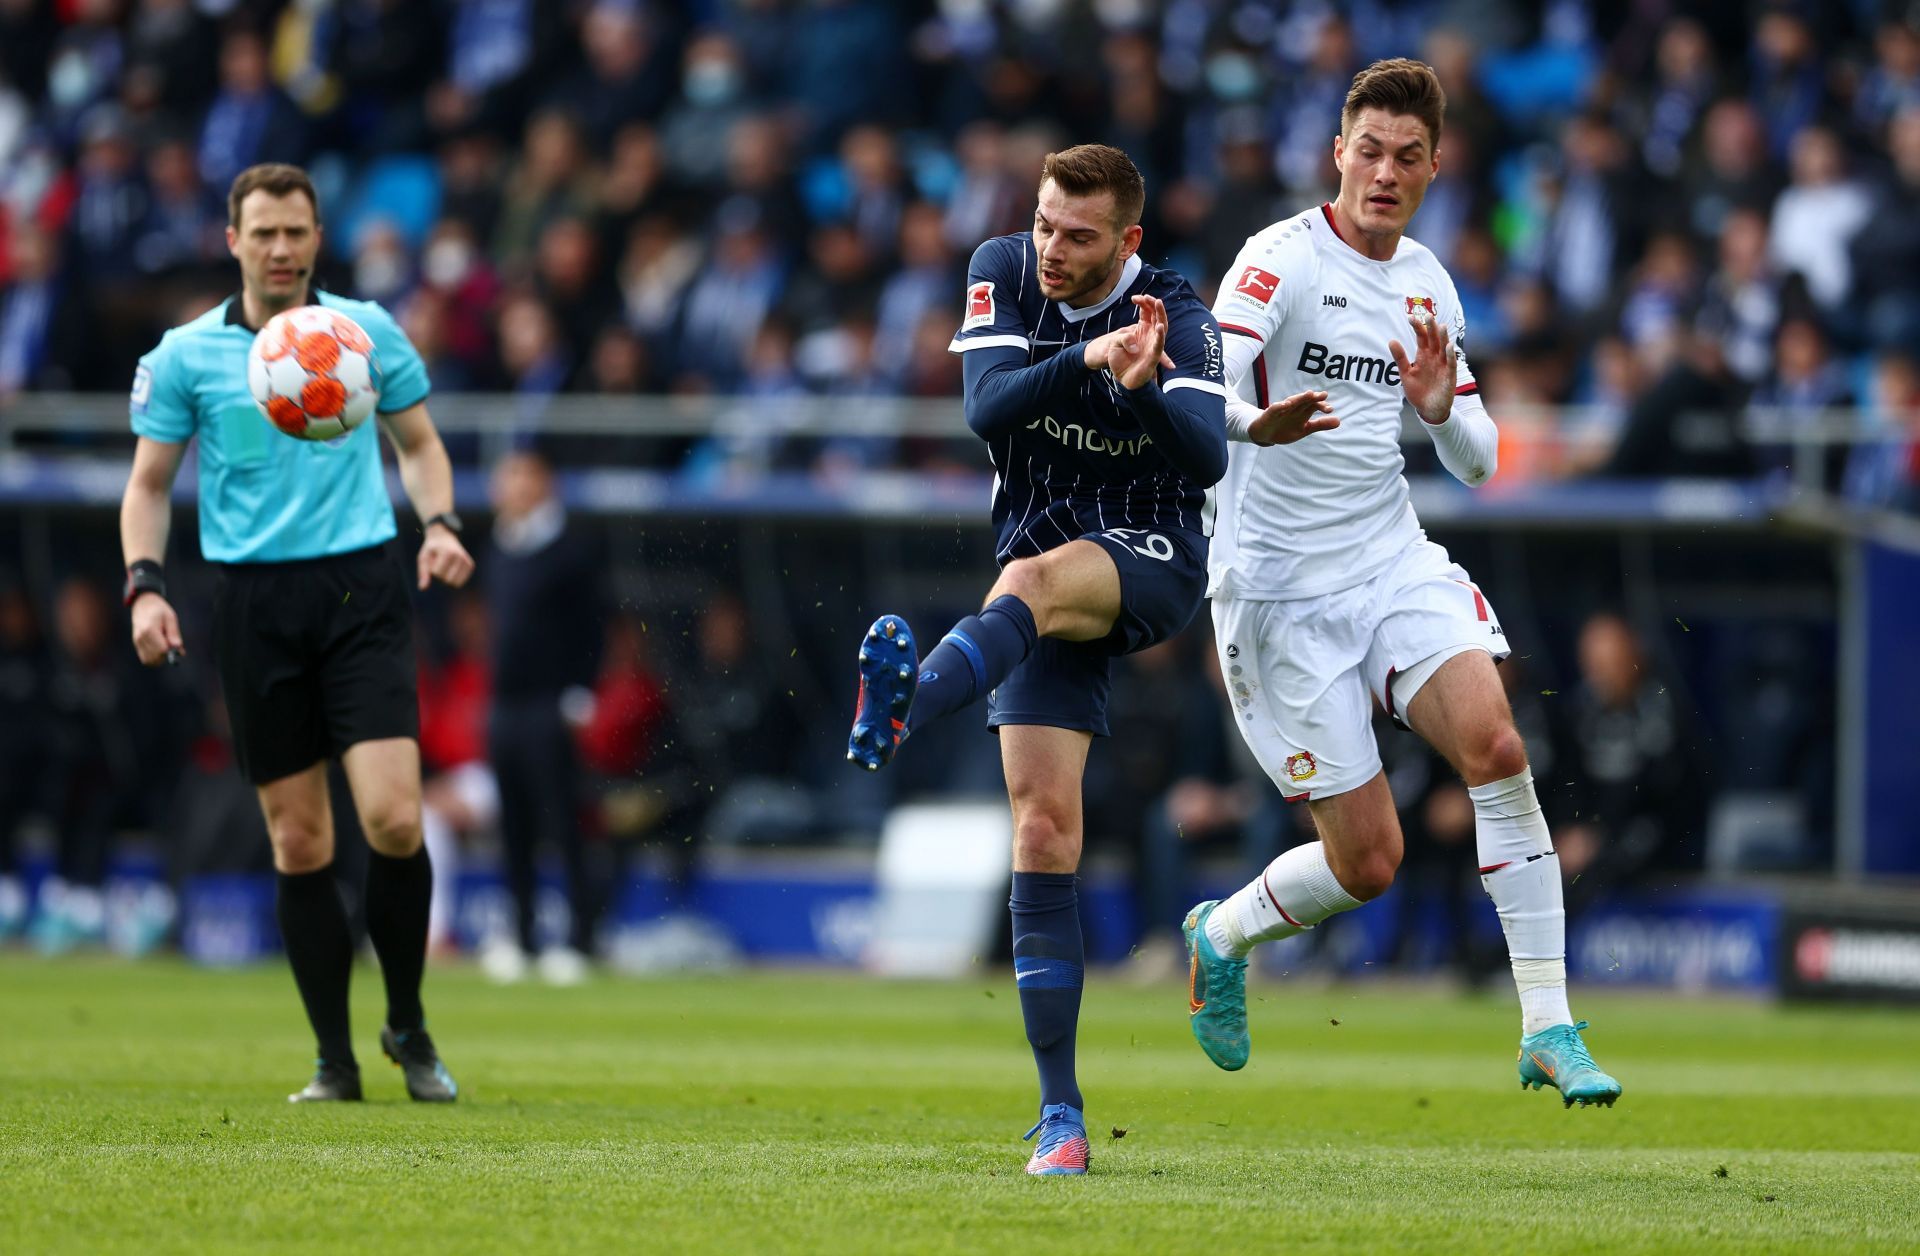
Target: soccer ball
{"x": 313, "y": 374}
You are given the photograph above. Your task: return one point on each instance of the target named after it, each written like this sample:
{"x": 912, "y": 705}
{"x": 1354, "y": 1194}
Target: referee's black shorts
{"x": 314, "y": 656}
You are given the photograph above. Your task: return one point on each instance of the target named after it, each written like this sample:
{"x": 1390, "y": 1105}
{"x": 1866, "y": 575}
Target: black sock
{"x": 976, "y": 655}
{"x": 313, "y": 925}
{"x": 1048, "y": 960}
{"x": 399, "y": 893}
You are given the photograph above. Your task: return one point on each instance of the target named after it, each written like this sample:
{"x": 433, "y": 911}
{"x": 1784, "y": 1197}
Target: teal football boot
{"x": 1216, "y": 994}
{"x": 1556, "y": 1057}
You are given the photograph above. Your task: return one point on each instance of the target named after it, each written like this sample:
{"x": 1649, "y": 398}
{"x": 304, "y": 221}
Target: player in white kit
{"x": 1328, "y": 597}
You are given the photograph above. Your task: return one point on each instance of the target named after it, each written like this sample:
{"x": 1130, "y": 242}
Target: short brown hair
{"x": 1090, "y": 169}
{"x": 275, "y": 179}
{"x": 1398, "y": 86}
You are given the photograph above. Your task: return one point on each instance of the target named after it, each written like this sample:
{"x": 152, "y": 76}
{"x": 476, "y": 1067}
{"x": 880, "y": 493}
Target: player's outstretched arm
{"x": 427, "y": 475}
{"x": 1461, "y": 430}
{"x": 146, "y": 516}
{"x": 1001, "y": 392}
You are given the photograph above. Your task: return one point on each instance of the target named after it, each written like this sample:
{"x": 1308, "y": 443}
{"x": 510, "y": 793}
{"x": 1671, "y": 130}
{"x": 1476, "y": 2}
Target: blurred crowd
{"x": 1658, "y": 212}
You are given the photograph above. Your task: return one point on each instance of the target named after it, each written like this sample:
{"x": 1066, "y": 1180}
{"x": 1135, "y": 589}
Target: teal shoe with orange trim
{"x": 1557, "y": 1057}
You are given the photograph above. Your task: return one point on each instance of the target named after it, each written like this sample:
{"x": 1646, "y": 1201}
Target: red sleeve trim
{"x": 1466, "y": 390}
{"x": 1260, "y": 381}
{"x": 1238, "y": 330}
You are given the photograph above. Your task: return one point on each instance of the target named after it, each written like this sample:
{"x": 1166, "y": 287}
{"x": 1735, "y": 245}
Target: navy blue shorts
{"x": 1064, "y": 684}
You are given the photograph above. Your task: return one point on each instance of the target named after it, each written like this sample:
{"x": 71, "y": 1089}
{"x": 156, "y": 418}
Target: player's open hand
{"x": 1428, "y": 379}
{"x": 1141, "y": 349}
{"x": 1293, "y": 418}
{"x": 156, "y": 631}
{"x": 443, "y": 558}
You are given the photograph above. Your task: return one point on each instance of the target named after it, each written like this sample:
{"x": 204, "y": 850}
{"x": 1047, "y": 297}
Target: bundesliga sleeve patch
{"x": 142, "y": 389}
{"x": 1257, "y": 284}
{"x": 979, "y": 306}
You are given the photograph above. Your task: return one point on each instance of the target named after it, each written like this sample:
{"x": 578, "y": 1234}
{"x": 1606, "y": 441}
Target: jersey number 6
{"x": 1156, "y": 546}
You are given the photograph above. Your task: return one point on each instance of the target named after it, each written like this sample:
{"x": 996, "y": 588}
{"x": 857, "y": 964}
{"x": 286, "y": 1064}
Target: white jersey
{"x": 1327, "y": 512}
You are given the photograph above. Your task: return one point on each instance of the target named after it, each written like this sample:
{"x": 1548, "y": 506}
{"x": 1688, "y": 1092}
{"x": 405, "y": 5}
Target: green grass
{"x": 142, "y": 1109}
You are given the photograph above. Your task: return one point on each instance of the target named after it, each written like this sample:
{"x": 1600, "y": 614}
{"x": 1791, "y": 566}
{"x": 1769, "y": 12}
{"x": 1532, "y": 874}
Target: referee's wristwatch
{"x": 446, "y": 519}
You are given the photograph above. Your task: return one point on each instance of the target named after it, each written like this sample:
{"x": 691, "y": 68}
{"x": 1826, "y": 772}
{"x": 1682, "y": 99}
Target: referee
{"x": 312, "y": 628}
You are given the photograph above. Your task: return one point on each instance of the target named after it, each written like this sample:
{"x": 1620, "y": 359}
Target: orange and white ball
{"x": 313, "y": 373}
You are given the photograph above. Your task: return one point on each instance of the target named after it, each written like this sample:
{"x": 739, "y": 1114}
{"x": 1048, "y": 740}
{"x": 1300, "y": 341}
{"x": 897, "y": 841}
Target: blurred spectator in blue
{"x": 1885, "y": 260}
{"x": 571, "y": 278}
{"x": 750, "y": 435}
{"x": 1788, "y": 75}
{"x": 1885, "y": 472}
{"x": 498, "y": 52}
{"x": 555, "y": 178}
{"x": 536, "y": 360}
{"x": 38, "y": 341}
{"x": 987, "y": 200}
{"x": 1145, "y": 120}
{"x": 84, "y": 65}
{"x": 713, "y": 98}
{"x": 1893, "y": 84}
{"x": 659, "y": 262}
{"x": 630, "y": 51}
{"x": 185, "y": 225}
{"x": 1733, "y": 171}
{"x": 250, "y": 120}
{"x": 1686, "y": 79}
{"x": 1589, "y": 227}
{"x": 876, "y": 187}
{"x": 471, "y": 172}
{"x": 384, "y": 52}
{"x": 636, "y": 185}
{"x": 1660, "y": 296}
{"x": 759, "y": 172}
{"x": 1476, "y": 276}
{"x": 110, "y": 201}
{"x": 1214, "y": 217}
{"x": 1741, "y": 304}
{"x": 1640, "y": 786}
{"x": 1817, "y": 217}
{"x": 1806, "y": 378}
{"x": 928, "y": 278}
{"x": 844, "y": 64}
{"x": 171, "y": 61}
{"x": 727, "y": 301}
{"x": 1304, "y": 112}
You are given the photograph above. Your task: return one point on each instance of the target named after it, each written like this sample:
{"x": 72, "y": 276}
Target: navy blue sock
{"x": 1049, "y": 967}
{"x": 976, "y": 654}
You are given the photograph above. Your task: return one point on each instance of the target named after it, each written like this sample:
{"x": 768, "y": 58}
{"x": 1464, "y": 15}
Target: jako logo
{"x": 1317, "y": 360}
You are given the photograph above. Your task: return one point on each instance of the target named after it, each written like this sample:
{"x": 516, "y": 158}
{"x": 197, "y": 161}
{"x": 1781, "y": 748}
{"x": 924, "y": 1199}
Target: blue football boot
{"x": 1062, "y": 1148}
{"x": 889, "y": 673}
{"x": 1556, "y": 1057}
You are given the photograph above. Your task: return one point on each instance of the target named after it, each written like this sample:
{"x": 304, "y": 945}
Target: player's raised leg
{"x": 1463, "y": 712}
{"x": 1071, "y": 593}
{"x": 313, "y": 924}
{"x": 1044, "y": 767}
{"x": 385, "y": 778}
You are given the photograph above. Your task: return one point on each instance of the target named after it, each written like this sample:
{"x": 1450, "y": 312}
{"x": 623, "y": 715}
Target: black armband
{"x": 144, "y": 576}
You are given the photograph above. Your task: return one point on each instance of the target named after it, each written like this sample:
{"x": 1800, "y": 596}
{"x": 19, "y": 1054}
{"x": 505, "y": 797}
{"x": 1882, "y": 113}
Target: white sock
{"x": 1522, "y": 876}
{"x": 443, "y": 849}
{"x": 1297, "y": 891}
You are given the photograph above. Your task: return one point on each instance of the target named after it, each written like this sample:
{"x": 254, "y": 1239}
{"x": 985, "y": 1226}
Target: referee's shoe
{"x": 427, "y": 1078}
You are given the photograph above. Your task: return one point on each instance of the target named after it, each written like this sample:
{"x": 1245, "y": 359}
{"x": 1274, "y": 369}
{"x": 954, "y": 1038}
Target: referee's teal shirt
{"x": 266, "y": 496}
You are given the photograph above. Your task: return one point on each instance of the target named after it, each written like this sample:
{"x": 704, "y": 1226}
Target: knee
{"x": 1045, "y": 840}
{"x": 300, "y": 847}
{"x": 393, "y": 829}
{"x": 1498, "y": 755}
{"x": 1026, "y": 579}
{"x": 1368, "y": 874}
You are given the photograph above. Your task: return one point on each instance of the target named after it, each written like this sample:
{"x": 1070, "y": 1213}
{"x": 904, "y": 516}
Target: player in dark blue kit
{"x": 1096, "y": 382}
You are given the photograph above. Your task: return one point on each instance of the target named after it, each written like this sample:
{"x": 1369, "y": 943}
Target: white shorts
{"x": 1304, "y": 675}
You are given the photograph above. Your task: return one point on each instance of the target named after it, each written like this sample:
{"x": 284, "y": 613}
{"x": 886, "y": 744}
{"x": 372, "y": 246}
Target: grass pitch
{"x": 142, "y": 1109}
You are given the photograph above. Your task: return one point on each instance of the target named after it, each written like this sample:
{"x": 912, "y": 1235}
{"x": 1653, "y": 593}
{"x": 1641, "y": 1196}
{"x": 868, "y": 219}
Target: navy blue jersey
{"x": 1073, "y": 452}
